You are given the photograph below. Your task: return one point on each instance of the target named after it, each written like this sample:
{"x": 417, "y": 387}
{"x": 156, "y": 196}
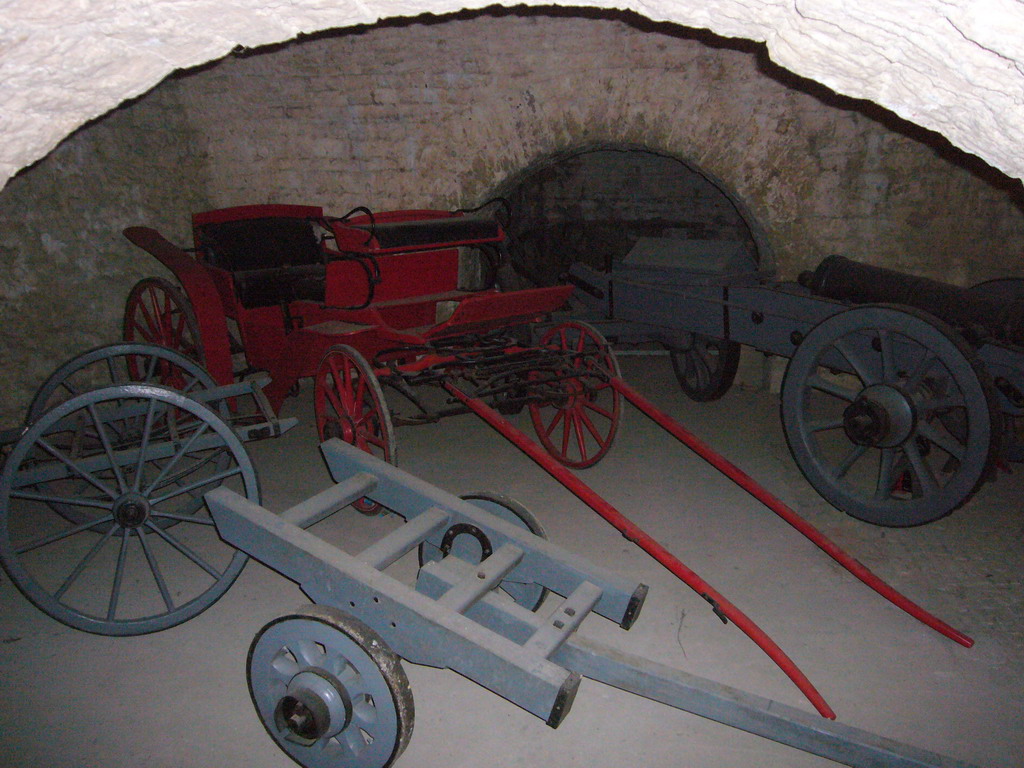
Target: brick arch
{"x": 716, "y": 197}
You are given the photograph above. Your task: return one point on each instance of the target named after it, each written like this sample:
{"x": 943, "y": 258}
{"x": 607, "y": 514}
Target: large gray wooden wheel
{"x": 121, "y": 363}
{"x": 139, "y": 551}
{"x": 467, "y": 546}
{"x": 111, "y": 365}
{"x": 329, "y": 691}
{"x": 888, "y": 415}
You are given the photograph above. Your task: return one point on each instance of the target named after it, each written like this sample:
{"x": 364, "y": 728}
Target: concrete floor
{"x": 178, "y": 698}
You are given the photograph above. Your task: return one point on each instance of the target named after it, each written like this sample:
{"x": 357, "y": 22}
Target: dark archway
{"x": 592, "y": 204}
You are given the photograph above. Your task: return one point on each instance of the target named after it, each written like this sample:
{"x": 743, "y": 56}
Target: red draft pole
{"x": 747, "y": 483}
{"x": 722, "y": 607}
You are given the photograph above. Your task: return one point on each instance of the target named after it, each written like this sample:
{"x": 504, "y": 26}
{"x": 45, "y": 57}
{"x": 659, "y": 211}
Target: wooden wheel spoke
{"x": 105, "y": 441}
{"x": 848, "y": 461}
{"x": 559, "y": 415}
{"x": 888, "y": 356}
{"x": 147, "y": 317}
{"x": 598, "y": 409}
{"x": 333, "y": 396}
{"x": 567, "y": 426}
{"x": 154, "y": 569}
{"x": 115, "y": 589}
{"x": 359, "y": 396}
{"x": 147, "y": 432}
{"x": 585, "y": 421}
{"x": 831, "y": 388}
{"x": 44, "y": 540}
{"x": 823, "y": 424}
{"x": 185, "y": 550}
{"x": 861, "y": 367}
{"x": 886, "y": 481}
{"x": 943, "y": 439}
{"x": 50, "y": 498}
{"x": 922, "y": 471}
{"x": 372, "y": 438}
{"x": 179, "y": 330}
{"x": 696, "y": 364}
{"x": 941, "y": 404}
{"x": 345, "y": 390}
{"x": 581, "y": 436}
{"x": 581, "y": 342}
{"x": 917, "y": 375}
{"x": 168, "y": 466}
{"x": 185, "y": 518}
{"x": 83, "y": 563}
{"x": 203, "y": 483}
{"x": 89, "y": 477}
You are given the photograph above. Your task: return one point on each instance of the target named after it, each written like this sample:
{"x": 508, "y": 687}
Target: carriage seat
{"x": 273, "y": 260}
{"x": 428, "y": 233}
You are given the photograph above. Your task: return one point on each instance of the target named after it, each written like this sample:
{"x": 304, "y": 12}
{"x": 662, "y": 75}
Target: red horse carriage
{"x": 299, "y": 294}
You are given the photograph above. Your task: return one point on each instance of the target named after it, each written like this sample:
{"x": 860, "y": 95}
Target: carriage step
{"x": 387, "y": 550}
{"x": 486, "y": 576}
{"x": 329, "y": 501}
{"x": 565, "y": 620}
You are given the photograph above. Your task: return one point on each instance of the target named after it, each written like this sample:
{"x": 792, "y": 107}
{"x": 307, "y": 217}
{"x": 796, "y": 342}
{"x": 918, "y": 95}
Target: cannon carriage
{"x": 900, "y": 396}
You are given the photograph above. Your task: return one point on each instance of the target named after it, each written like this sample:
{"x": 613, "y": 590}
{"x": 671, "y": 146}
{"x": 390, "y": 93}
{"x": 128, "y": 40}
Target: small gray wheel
{"x": 122, "y": 363}
{"x": 706, "y": 368}
{"x": 528, "y": 594}
{"x": 889, "y": 416}
{"x": 139, "y": 553}
{"x": 329, "y": 691}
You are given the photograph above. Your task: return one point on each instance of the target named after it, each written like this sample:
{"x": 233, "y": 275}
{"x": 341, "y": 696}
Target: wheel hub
{"x": 881, "y": 417}
{"x": 315, "y": 706}
{"x": 131, "y": 510}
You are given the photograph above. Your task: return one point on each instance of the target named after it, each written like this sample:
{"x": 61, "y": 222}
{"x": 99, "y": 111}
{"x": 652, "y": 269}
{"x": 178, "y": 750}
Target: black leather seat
{"x": 273, "y": 260}
{"x": 433, "y": 232}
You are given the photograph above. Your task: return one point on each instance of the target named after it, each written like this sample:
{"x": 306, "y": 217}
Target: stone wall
{"x": 441, "y": 114}
{"x": 65, "y": 268}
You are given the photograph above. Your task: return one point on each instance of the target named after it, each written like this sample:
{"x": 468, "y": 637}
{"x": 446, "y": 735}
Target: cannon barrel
{"x": 977, "y": 315}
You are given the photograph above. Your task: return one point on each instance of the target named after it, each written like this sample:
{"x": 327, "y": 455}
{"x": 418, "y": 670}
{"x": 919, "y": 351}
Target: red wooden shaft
{"x": 750, "y": 485}
{"x": 634, "y": 533}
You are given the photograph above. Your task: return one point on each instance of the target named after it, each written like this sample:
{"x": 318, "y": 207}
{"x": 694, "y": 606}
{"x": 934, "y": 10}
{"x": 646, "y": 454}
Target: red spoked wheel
{"x": 578, "y": 426}
{"x": 349, "y": 404}
{"x": 157, "y": 312}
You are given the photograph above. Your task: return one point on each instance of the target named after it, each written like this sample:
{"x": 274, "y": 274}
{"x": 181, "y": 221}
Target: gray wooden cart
{"x": 327, "y": 680}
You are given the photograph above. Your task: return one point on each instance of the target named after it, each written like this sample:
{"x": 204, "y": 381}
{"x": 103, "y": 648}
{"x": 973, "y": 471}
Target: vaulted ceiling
{"x": 953, "y": 66}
